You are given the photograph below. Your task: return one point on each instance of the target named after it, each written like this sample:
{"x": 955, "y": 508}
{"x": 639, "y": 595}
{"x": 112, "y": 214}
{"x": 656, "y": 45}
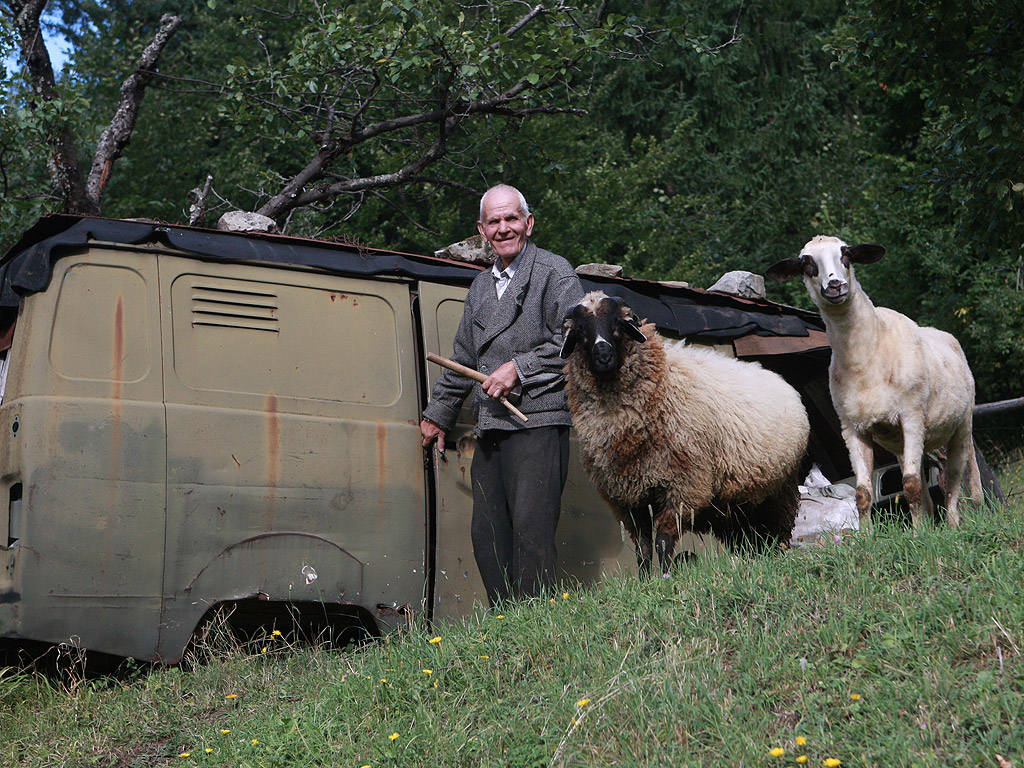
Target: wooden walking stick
{"x": 451, "y": 365}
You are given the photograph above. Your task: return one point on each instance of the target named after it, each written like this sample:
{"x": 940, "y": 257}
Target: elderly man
{"x": 511, "y": 331}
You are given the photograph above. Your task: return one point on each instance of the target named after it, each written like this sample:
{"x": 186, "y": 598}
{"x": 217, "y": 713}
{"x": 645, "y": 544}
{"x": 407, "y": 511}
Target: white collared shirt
{"x": 502, "y": 277}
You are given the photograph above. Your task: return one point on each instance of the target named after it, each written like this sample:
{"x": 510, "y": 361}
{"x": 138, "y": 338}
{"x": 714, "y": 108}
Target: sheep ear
{"x": 786, "y": 269}
{"x": 865, "y": 253}
{"x": 632, "y": 326}
{"x": 569, "y": 342}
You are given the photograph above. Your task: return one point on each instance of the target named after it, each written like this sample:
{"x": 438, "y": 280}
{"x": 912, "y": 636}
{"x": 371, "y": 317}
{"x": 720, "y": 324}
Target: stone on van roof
{"x": 472, "y": 250}
{"x": 246, "y": 221}
{"x": 740, "y": 283}
{"x": 600, "y": 270}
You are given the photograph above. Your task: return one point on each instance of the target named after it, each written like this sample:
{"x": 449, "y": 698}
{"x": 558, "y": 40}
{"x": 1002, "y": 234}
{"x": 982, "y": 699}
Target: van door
{"x": 83, "y": 450}
{"x": 591, "y": 543}
{"x": 457, "y": 584}
{"x": 294, "y": 467}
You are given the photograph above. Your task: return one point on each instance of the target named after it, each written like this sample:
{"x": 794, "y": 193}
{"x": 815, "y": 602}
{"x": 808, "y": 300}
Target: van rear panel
{"x": 190, "y": 434}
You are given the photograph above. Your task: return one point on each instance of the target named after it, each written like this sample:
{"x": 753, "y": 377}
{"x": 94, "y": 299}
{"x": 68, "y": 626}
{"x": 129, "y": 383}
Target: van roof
{"x": 682, "y": 311}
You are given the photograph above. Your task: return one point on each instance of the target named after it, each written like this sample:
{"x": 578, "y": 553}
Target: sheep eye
{"x": 810, "y": 268}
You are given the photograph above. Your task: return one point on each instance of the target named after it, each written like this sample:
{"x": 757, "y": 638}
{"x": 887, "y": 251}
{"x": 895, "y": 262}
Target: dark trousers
{"x": 518, "y": 479}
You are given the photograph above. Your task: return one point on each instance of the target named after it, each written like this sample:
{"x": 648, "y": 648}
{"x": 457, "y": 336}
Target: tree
{"x": 78, "y": 192}
{"x": 375, "y": 100}
{"x": 944, "y": 83}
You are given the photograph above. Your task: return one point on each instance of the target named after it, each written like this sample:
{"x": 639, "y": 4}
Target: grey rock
{"x": 600, "y": 270}
{"x": 739, "y": 283}
{"x": 472, "y": 250}
{"x": 246, "y": 221}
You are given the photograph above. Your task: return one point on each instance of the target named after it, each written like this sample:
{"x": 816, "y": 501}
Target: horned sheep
{"x": 905, "y": 387}
{"x": 708, "y": 443}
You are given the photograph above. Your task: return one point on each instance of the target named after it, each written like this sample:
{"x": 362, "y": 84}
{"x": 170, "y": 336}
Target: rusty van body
{"x": 193, "y": 419}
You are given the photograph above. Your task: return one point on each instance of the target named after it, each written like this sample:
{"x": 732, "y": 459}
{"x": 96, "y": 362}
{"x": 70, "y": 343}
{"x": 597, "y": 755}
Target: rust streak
{"x": 382, "y": 463}
{"x": 273, "y": 458}
{"x": 116, "y": 415}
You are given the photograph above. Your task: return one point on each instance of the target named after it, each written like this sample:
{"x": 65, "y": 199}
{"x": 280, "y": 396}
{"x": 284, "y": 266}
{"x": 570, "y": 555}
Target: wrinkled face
{"x": 503, "y": 224}
{"x": 599, "y": 325}
{"x": 825, "y": 264}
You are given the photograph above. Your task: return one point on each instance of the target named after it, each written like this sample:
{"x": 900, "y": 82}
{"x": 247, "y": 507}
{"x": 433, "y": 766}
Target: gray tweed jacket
{"x": 525, "y": 326}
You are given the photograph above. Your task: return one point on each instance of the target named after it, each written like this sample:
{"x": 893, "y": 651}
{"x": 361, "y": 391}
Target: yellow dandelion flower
{"x": 800, "y": 740}
{"x": 185, "y": 754}
{"x": 393, "y": 736}
{"x": 485, "y": 657}
{"x": 552, "y": 601}
{"x": 500, "y": 616}
{"x": 383, "y": 679}
{"x": 264, "y": 649}
{"x": 582, "y": 702}
{"x": 231, "y": 696}
{"x": 777, "y": 752}
{"x": 255, "y": 741}
{"x": 225, "y": 731}
{"x": 855, "y": 696}
{"x": 802, "y": 759}
{"x": 276, "y": 633}
{"x": 208, "y": 750}
{"x": 428, "y": 671}
{"x": 565, "y": 595}
{"x": 832, "y": 762}
{"x": 435, "y": 640}
{"x": 435, "y": 683}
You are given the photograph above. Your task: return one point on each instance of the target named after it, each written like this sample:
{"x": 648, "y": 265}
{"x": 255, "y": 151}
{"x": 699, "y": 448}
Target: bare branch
{"x": 62, "y": 157}
{"x": 116, "y": 135}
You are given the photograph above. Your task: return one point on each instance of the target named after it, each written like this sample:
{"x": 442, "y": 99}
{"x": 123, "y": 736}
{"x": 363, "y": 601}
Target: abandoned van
{"x": 192, "y": 420}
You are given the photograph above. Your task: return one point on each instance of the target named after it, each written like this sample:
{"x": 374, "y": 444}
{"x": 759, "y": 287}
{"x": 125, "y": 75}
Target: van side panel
{"x": 294, "y": 466}
{"x": 82, "y": 432}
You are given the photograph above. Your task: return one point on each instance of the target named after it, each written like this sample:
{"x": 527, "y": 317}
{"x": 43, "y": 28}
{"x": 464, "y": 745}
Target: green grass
{"x": 896, "y": 647}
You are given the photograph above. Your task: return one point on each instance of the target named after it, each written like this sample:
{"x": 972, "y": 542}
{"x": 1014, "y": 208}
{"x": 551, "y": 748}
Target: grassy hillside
{"x": 893, "y": 648}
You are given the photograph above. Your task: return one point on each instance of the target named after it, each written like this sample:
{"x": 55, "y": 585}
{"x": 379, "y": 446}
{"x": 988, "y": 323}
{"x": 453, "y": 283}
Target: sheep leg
{"x": 959, "y": 458}
{"x": 862, "y": 457}
{"x": 910, "y": 463}
{"x": 666, "y": 523}
{"x": 639, "y": 526}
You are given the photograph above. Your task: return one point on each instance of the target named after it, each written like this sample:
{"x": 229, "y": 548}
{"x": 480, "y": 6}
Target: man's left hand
{"x": 502, "y": 381}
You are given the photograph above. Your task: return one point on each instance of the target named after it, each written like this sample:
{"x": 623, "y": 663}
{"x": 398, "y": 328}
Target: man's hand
{"x": 431, "y": 432}
{"x": 502, "y": 381}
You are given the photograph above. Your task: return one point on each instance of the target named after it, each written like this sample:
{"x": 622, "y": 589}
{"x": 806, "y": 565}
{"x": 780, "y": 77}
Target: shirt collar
{"x": 510, "y": 270}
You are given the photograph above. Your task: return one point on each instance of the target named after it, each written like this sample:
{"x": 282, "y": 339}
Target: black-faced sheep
{"x": 706, "y": 442}
{"x": 905, "y": 387}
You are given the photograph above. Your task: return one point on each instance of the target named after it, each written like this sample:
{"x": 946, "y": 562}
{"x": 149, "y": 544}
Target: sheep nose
{"x": 603, "y": 354}
{"x": 835, "y": 290}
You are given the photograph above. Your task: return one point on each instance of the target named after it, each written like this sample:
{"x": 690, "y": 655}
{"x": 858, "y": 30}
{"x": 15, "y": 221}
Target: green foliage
{"x": 720, "y": 136}
{"x": 944, "y": 82}
{"x": 897, "y": 647}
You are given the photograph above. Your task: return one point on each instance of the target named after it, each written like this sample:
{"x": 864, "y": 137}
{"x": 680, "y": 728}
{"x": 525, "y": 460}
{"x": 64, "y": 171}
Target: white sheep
{"x": 907, "y": 388}
{"x": 706, "y": 442}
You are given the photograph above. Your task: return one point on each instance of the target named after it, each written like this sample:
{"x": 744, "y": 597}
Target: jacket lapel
{"x": 511, "y": 303}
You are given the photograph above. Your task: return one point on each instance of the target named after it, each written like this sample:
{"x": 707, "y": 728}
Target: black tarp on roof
{"x": 685, "y": 312}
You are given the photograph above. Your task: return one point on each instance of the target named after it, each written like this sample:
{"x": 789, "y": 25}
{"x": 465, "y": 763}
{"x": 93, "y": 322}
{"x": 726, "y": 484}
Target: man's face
{"x": 503, "y": 224}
